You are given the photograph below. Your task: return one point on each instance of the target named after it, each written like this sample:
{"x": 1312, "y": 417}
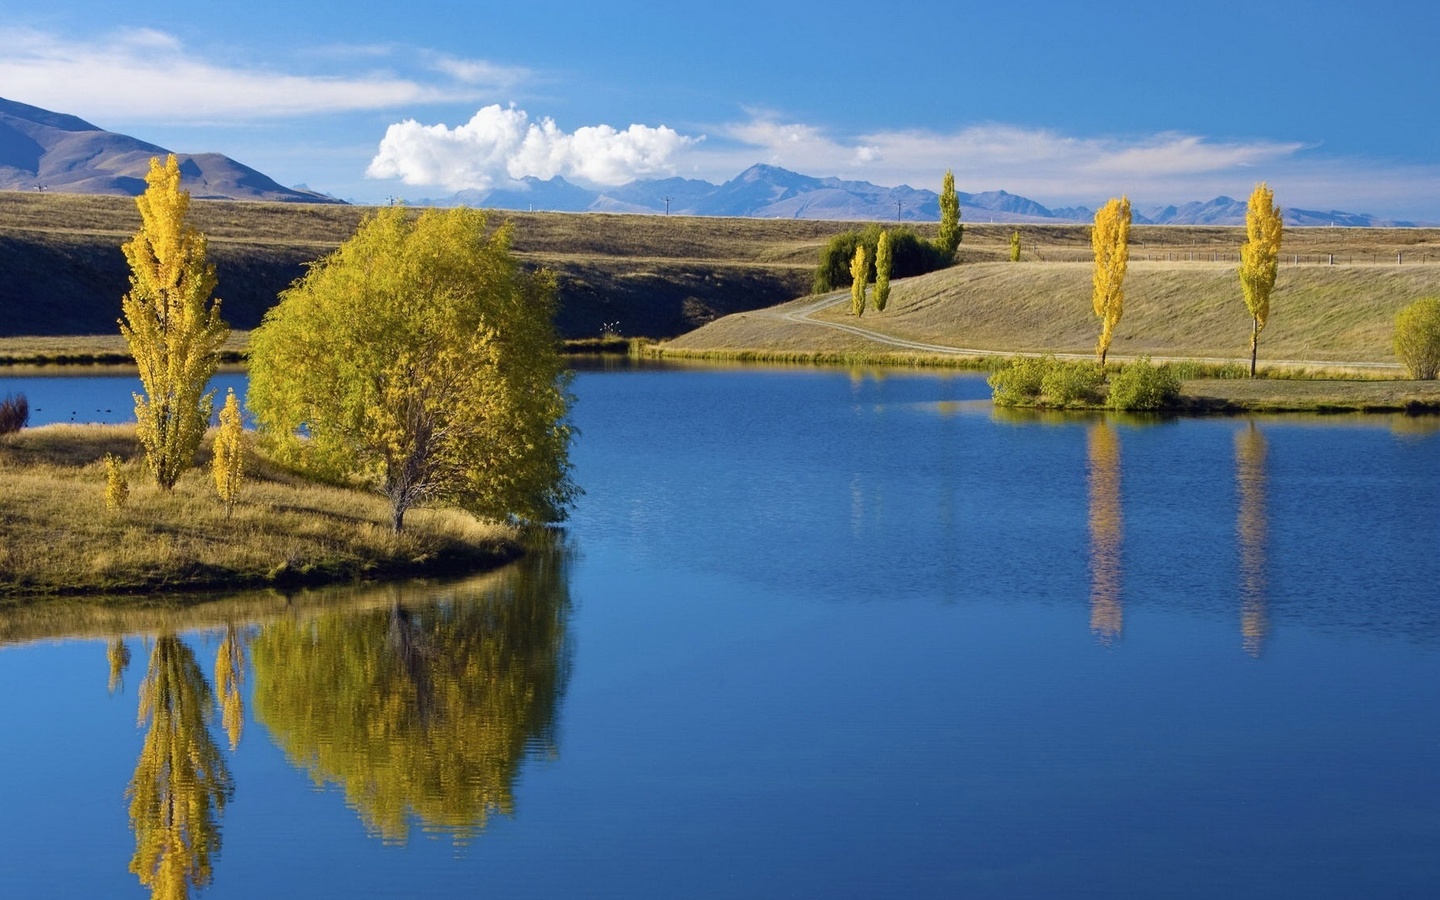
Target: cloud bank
{"x": 501, "y": 145}
{"x": 149, "y": 75}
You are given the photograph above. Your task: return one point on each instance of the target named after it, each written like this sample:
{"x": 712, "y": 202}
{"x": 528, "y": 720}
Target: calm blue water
{"x": 827, "y": 635}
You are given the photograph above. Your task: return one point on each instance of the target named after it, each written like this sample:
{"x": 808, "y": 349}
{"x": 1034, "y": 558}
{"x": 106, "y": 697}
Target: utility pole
{"x": 667, "y": 204}
{"x": 897, "y": 210}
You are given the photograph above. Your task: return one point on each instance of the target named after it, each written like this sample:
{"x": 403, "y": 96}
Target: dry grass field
{"x": 57, "y": 535}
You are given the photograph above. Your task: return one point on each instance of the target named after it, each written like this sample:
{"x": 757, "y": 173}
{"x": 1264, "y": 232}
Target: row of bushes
{"x": 1044, "y": 381}
{"x": 910, "y": 255}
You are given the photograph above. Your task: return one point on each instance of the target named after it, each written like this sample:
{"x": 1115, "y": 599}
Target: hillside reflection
{"x": 1107, "y": 615}
{"x": 422, "y": 710}
{"x": 1251, "y": 526}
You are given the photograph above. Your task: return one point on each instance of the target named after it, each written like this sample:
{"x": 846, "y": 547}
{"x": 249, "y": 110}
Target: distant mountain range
{"x": 768, "y": 192}
{"x": 44, "y": 150}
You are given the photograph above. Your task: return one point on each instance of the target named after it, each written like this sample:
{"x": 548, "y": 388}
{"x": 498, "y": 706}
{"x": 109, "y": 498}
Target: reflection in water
{"x": 1106, "y": 532}
{"x": 229, "y": 676}
{"x": 1251, "y": 526}
{"x": 422, "y": 710}
{"x": 181, "y": 781}
{"x": 118, "y": 655}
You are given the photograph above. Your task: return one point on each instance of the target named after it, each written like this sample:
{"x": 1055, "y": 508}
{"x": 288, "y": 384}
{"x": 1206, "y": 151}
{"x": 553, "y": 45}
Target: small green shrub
{"x": 1142, "y": 385}
{"x": 1072, "y": 383}
{"x": 14, "y": 413}
{"x": 1046, "y": 381}
{"x": 1018, "y": 382}
{"x": 1417, "y": 338}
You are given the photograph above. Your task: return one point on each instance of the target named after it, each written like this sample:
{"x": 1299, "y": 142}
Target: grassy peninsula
{"x": 57, "y": 535}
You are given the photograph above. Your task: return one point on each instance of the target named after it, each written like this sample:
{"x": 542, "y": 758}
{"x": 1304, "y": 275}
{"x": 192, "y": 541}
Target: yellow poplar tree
{"x": 1110, "y": 238}
{"x": 884, "y": 262}
{"x": 947, "y": 239}
{"x": 173, "y": 331}
{"x": 1260, "y": 260}
{"x": 859, "y": 269}
{"x": 228, "y": 461}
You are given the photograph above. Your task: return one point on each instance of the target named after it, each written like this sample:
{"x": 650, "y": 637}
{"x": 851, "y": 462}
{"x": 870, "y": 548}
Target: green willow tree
{"x": 420, "y": 359}
{"x": 173, "y": 330}
{"x": 1260, "y": 261}
{"x": 1110, "y": 239}
{"x": 884, "y": 262}
{"x": 951, "y": 232}
{"x": 859, "y": 270}
{"x": 1417, "y": 338}
{"x": 423, "y": 709}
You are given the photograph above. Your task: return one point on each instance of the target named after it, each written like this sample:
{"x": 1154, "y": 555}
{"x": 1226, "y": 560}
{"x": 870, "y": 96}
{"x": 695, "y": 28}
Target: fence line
{"x": 1339, "y": 258}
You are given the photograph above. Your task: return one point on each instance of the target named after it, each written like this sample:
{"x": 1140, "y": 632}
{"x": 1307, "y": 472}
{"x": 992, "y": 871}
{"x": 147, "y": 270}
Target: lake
{"x": 810, "y": 633}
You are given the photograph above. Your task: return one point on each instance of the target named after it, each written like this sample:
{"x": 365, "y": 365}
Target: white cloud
{"x": 501, "y": 144}
{"x": 149, "y": 75}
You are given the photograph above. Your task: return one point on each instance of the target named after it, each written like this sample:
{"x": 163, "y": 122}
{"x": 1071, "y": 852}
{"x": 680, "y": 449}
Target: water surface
{"x": 810, "y": 633}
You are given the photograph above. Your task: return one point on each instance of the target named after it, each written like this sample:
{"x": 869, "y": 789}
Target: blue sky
{"x": 1334, "y": 104}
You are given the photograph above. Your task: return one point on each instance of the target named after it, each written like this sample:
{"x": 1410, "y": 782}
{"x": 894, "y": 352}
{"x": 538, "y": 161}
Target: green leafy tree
{"x": 1260, "y": 261}
{"x": 1110, "y": 239}
{"x": 173, "y": 330}
{"x": 1417, "y": 337}
{"x": 859, "y": 269}
{"x": 419, "y": 358}
{"x": 911, "y": 254}
{"x": 884, "y": 262}
{"x": 947, "y": 241}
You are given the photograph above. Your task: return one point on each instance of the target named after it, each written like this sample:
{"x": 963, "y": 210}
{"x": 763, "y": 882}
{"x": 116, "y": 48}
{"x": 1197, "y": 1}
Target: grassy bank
{"x": 58, "y": 537}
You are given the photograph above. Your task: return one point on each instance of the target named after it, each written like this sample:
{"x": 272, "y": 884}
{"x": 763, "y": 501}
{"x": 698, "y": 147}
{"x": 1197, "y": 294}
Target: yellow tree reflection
{"x": 422, "y": 710}
{"x": 181, "y": 782}
{"x": 118, "y": 655}
{"x": 1251, "y": 527}
{"x": 1106, "y": 533}
{"x": 229, "y": 676}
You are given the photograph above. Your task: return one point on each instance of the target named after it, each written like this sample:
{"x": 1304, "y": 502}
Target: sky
{"x": 1336, "y": 105}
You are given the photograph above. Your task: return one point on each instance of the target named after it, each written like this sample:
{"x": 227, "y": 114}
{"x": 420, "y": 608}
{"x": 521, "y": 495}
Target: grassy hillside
{"x": 62, "y": 272}
{"x": 1320, "y": 313}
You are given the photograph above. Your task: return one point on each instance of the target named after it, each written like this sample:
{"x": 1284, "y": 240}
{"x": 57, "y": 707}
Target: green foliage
{"x": 1015, "y": 245}
{"x": 947, "y": 241}
{"x": 911, "y": 255}
{"x": 1417, "y": 338}
{"x": 859, "y": 265}
{"x": 14, "y": 413}
{"x": 1046, "y": 381}
{"x": 228, "y": 458}
{"x": 884, "y": 262}
{"x": 172, "y": 333}
{"x": 1142, "y": 385}
{"x": 419, "y": 359}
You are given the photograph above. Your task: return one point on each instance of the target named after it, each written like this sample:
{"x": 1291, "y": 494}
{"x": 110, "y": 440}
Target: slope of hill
{"x": 49, "y": 151}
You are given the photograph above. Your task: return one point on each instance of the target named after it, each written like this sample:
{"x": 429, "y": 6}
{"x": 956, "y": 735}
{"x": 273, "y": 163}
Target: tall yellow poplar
{"x": 228, "y": 461}
{"x": 1260, "y": 260}
{"x": 859, "y": 271}
{"x": 884, "y": 262}
{"x": 172, "y": 328}
{"x": 1110, "y": 237}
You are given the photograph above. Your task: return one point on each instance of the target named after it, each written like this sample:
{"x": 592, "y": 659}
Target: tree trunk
{"x": 1254, "y": 344}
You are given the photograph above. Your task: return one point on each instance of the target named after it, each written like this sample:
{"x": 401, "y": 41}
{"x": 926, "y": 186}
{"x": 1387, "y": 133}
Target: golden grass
{"x": 58, "y": 537}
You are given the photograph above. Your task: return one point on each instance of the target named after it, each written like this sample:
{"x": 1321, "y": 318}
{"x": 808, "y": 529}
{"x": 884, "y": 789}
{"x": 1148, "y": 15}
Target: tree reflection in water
{"x": 1107, "y": 615}
{"x": 181, "y": 782}
{"x": 1251, "y": 527}
{"x": 423, "y": 710}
